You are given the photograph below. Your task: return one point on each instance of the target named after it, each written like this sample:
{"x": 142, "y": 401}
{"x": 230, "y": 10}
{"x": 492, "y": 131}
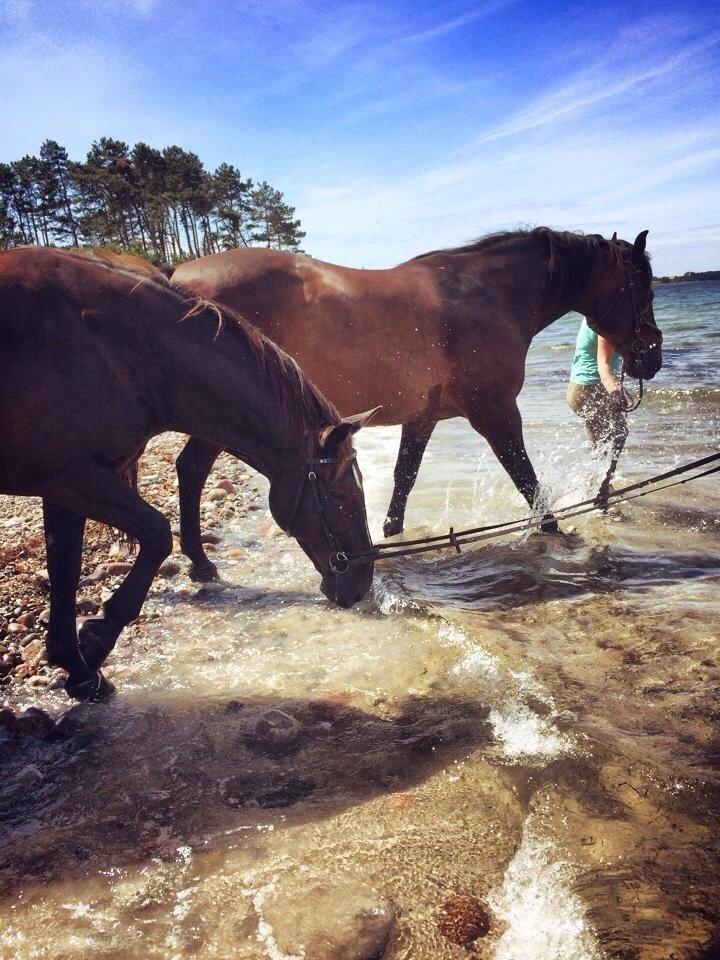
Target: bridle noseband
{"x": 638, "y": 346}
{"x": 338, "y": 562}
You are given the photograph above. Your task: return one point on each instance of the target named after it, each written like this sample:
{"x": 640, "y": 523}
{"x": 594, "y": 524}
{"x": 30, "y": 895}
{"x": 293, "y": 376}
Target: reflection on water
{"x": 533, "y": 722}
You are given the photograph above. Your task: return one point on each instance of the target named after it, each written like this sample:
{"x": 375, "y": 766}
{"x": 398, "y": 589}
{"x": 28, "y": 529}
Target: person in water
{"x": 594, "y": 394}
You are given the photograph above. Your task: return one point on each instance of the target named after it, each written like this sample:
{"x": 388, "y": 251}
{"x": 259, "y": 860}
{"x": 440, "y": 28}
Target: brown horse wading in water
{"x": 94, "y": 361}
{"x": 444, "y": 335}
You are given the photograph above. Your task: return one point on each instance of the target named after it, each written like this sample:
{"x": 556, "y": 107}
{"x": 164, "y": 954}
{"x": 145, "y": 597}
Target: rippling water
{"x": 534, "y": 722}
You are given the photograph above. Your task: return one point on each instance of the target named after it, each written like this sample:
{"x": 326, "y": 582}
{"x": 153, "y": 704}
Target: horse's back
{"x": 365, "y": 337}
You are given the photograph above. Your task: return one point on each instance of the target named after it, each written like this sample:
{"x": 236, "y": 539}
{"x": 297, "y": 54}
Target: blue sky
{"x": 398, "y": 127}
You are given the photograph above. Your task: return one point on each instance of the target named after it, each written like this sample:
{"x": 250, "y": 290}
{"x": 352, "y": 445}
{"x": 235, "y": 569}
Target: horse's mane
{"x": 298, "y": 395}
{"x": 130, "y": 262}
{"x": 570, "y": 255}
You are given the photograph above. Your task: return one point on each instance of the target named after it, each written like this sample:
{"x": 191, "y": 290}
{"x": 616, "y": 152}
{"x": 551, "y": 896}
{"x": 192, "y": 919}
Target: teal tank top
{"x": 584, "y": 367}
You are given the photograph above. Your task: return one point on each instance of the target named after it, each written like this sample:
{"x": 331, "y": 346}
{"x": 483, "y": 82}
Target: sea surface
{"x": 534, "y": 723}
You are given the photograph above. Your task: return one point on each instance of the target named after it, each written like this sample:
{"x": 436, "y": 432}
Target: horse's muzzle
{"x": 644, "y": 365}
{"x": 347, "y": 589}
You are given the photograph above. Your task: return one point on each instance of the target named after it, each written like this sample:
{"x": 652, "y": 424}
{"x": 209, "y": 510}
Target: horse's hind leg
{"x": 501, "y": 425}
{"x": 414, "y": 440}
{"x": 96, "y": 491}
{"x": 193, "y": 468}
{"x": 63, "y": 540}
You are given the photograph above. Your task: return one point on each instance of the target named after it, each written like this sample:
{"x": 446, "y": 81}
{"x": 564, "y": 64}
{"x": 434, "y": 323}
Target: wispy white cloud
{"x": 604, "y": 82}
{"x": 455, "y": 23}
{"x": 384, "y": 144}
{"x": 612, "y": 147}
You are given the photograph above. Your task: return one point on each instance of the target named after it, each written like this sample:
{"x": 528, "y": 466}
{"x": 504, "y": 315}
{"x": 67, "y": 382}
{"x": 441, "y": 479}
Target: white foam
{"x": 265, "y": 932}
{"x": 522, "y": 733}
{"x": 545, "y": 919}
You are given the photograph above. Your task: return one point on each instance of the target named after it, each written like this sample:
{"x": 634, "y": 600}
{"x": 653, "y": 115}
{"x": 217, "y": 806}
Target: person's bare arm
{"x": 605, "y": 351}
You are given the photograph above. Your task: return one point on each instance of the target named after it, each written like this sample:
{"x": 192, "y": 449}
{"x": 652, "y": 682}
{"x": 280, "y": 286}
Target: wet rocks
{"x": 7, "y": 719}
{"x": 171, "y": 568}
{"x": 24, "y": 583}
{"x": 82, "y": 719}
{"x": 274, "y": 731}
{"x": 119, "y": 568}
{"x": 463, "y": 920}
{"x": 329, "y": 919}
{"x": 227, "y": 485}
{"x": 87, "y": 607}
{"x": 33, "y": 722}
{"x": 210, "y": 538}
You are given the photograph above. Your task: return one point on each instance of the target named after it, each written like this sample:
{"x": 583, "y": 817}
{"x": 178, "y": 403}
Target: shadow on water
{"x": 137, "y": 781}
{"x": 508, "y": 576}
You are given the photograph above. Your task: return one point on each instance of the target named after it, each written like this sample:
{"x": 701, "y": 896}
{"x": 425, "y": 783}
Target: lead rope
{"x": 627, "y": 404}
{"x": 456, "y": 539}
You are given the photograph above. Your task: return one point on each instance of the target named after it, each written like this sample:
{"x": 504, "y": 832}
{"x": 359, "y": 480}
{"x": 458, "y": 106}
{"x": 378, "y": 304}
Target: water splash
{"x": 545, "y": 919}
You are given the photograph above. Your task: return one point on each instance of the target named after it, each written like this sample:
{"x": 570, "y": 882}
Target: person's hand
{"x": 615, "y": 398}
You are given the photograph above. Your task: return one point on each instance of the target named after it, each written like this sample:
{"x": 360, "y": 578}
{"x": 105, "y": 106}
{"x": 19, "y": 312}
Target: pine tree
{"x": 273, "y": 220}
{"x": 163, "y": 204}
{"x": 232, "y": 205}
{"x": 106, "y": 189}
{"x": 56, "y": 192}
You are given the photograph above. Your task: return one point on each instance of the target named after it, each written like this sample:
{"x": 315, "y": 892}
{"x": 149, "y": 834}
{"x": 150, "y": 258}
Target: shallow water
{"x": 534, "y": 722}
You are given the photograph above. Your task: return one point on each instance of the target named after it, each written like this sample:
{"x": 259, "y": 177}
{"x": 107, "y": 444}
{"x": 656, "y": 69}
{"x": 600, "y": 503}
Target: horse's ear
{"x": 614, "y": 237}
{"x": 361, "y": 420}
{"x": 639, "y": 246}
{"x": 333, "y": 436}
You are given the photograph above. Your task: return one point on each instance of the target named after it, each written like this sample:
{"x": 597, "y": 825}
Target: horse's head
{"x": 620, "y": 306}
{"x": 319, "y": 500}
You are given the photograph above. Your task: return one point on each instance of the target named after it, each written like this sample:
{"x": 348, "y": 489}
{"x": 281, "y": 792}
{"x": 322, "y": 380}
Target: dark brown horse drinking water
{"x": 443, "y": 335}
{"x": 94, "y": 361}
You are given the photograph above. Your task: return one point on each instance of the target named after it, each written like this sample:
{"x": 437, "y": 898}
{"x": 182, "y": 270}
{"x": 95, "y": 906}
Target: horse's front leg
{"x": 501, "y": 425}
{"x": 414, "y": 440}
{"x": 96, "y": 491}
{"x": 193, "y": 468}
{"x": 63, "y": 541}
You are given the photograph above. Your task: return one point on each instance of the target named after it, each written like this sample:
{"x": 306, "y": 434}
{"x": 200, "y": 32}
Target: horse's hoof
{"x": 96, "y": 638}
{"x": 392, "y": 527}
{"x": 203, "y": 571}
{"x": 93, "y": 689}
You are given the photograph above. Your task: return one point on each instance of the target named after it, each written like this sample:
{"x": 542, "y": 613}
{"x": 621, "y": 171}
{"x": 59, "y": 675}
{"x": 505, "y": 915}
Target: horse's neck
{"x": 528, "y": 284}
{"x": 218, "y": 389}
{"x": 518, "y": 276}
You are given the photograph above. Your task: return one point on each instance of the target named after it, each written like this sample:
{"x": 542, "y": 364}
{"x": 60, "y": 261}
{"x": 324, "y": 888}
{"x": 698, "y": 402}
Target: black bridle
{"x": 638, "y": 346}
{"x": 338, "y": 561}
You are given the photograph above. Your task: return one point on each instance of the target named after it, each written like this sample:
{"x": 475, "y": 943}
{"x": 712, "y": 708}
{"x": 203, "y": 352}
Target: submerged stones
{"x": 273, "y": 730}
{"x": 329, "y": 919}
{"x": 31, "y": 722}
{"x": 35, "y": 723}
{"x": 463, "y": 920}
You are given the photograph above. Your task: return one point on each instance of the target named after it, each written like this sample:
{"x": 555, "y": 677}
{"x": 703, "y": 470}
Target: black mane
{"x": 570, "y": 255}
{"x": 299, "y": 397}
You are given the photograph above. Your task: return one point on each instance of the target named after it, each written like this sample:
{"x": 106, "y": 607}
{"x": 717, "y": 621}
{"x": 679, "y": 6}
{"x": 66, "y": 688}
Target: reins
{"x": 338, "y": 558}
{"x": 457, "y": 539}
{"x": 638, "y": 345}
{"x": 626, "y": 402}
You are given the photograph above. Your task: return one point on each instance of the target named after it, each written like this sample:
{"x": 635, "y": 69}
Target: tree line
{"x": 162, "y": 204}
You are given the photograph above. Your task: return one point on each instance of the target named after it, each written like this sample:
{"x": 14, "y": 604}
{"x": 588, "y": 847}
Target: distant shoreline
{"x": 690, "y": 276}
